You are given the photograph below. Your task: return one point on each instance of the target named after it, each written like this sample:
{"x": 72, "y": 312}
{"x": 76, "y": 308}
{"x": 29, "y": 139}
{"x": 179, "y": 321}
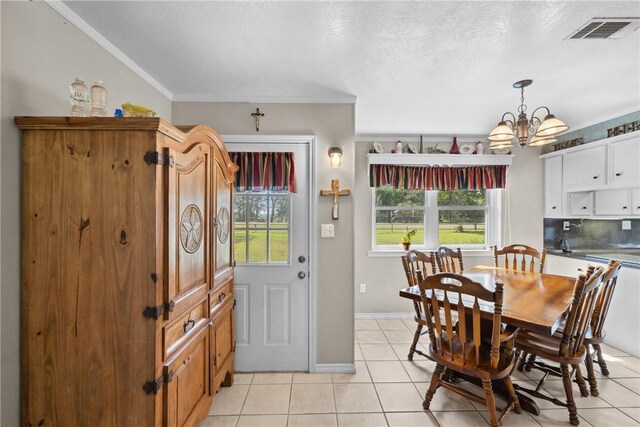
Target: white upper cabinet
{"x": 613, "y": 202}
{"x": 625, "y": 162}
{"x": 553, "y": 186}
{"x": 635, "y": 201}
{"x": 581, "y": 203}
{"x": 585, "y": 168}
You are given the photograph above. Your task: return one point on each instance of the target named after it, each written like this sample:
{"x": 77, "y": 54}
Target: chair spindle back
{"x": 609, "y": 281}
{"x": 414, "y": 261}
{"x": 519, "y": 257}
{"x": 449, "y": 260}
{"x": 439, "y": 292}
{"x": 581, "y": 309}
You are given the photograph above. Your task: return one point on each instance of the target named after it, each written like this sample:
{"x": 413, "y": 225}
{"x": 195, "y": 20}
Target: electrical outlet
{"x": 626, "y": 225}
{"x": 326, "y": 230}
{"x": 565, "y": 225}
{"x": 363, "y": 288}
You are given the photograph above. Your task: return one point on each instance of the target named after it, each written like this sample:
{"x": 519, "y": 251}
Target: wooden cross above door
{"x": 336, "y": 192}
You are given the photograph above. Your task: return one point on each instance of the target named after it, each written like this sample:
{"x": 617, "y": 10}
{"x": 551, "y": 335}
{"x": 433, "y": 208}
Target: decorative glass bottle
{"x": 79, "y": 98}
{"x": 98, "y": 100}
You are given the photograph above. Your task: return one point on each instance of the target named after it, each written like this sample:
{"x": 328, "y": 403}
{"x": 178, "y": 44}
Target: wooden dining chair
{"x": 449, "y": 260}
{"x": 595, "y": 334}
{"x": 566, "y": 349}
{"x": 459, "y": 347}
{"x": 412, "y": 262}
{"x": 519, "y": 257}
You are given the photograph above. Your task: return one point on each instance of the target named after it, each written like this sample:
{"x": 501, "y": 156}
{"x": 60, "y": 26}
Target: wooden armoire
{"x": 127, "y": 305}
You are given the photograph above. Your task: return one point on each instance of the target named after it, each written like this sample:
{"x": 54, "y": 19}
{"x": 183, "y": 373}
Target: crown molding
{"x": 603, "y": 119}
{"x": 345, "y": 99}
{"x": 413, "y": 137}
{"x": 94, "y": 35}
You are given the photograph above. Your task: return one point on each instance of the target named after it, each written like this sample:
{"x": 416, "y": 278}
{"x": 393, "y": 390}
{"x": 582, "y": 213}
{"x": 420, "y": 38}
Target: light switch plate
{"x": 626, "y": 225}
{"x": 326, "y": 230}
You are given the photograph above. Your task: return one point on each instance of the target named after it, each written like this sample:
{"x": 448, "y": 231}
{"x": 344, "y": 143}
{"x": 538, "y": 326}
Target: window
{"x": 261, "y": 227}
{"x": 464, "y": 218}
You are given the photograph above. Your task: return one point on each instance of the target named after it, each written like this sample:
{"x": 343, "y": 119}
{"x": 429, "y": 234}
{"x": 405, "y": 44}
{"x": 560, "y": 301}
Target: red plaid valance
{"x": 438, "y": 177}
{"x": 265, "y": 171}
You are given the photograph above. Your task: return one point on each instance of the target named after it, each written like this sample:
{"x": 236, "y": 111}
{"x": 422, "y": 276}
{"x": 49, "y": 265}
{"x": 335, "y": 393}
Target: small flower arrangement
{"x": 410, "y": 234}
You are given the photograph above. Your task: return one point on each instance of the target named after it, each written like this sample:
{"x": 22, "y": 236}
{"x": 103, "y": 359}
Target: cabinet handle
{"x": 188, "y": 325}
{"x": 624, "y": 207}
{"x": 221, "y": 297}
{"x": 584, "y": 207}
{"x": 618, "y": 173}
{"x": 596, "y": 176}
{"x": 553, "y": 207}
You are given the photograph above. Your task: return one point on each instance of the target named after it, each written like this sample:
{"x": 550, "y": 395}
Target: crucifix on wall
{"x": 257, "y": 116}
{"x": 336, "y": 192}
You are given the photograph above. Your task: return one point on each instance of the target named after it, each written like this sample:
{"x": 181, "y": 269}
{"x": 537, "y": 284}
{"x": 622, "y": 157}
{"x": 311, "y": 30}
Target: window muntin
{"x": 465, "y": 218}
{"x": 261, "y": 227}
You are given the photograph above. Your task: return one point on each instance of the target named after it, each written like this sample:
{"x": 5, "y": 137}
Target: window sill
{"x": 391, "y": 253}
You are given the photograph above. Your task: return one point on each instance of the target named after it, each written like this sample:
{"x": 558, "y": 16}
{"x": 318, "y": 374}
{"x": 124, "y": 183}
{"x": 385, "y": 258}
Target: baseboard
{"x": 334, "y": 368}
{"x": 368, "y": 316}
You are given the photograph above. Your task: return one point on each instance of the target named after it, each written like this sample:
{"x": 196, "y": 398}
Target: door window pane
{"x": 392, "y": 224}
{"x": 462, "y": 198}
{"x": 462, "y": 227}
{"x": 257, "y": 209}
{"x": 240, "y": 210}
{"x": 278, "y": 246}
{"x": 278, "y": 211}
{"x": 399, "y": 198}
{"x": 240, "y": 244}
{"x": 257, "y": 245}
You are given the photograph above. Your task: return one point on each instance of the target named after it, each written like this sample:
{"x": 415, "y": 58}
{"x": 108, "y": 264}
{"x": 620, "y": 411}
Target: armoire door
{"x": 189, "y": 219}
{"x": 222, "y": 222}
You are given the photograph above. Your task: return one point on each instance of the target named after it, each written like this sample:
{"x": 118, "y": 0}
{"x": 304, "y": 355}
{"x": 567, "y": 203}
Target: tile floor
{"x": 387, "y": 390}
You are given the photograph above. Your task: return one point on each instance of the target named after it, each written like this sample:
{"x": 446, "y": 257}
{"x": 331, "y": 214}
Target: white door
{"x": 585, "y": 168}
{"x": 625, "y": 157}
{"x": 271, "y": 249}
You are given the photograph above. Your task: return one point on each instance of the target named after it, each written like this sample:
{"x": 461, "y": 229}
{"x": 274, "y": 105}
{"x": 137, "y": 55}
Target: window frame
{"x": 431, "y": 217}
{"x": 267, "y": 227}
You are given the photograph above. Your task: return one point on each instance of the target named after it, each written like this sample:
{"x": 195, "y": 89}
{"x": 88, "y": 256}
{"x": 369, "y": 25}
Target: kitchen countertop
{"x": 629, "y": 257}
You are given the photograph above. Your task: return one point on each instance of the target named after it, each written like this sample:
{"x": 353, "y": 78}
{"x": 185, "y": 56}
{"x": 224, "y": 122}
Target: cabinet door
{"x": 188, "y": 213}
{"x": 635, "y": 201}
{"x": 613, "y": 202}
{"x": 581, "y": 203}
{"x": 223, "y": 347}
{"x": 188, "y": 394}
{"x": 625, "y": 158}
{"x": 223, "y": 233}
{"x": 553, "y": 186}
{"x": 585, "y": 167}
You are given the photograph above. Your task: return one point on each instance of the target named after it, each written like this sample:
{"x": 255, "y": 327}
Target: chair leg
{"x": 523, "y": 358}
{"x": 512, "y": 395}
{"x": 529, "y": 364}
{"x": 568, "y": 389}
{"x": 601, "y": 361}
{"x": 416, "y": 337}
{"x": 584, "y": 391}
{"x": 491, "y": 403}
{"x": 591, "y": 376}
{"x": 435, "y": 382}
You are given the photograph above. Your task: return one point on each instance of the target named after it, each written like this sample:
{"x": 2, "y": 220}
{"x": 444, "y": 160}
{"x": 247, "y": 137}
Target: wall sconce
{"x": 335, "y": 157}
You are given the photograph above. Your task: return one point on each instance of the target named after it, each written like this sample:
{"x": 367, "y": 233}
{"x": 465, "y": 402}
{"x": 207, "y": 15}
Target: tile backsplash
{"x": 592, "y": 234}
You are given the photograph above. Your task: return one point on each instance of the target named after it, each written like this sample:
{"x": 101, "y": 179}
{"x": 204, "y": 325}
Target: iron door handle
{"x": 188, "y": 325}
{"x": 302, "y": 275}
{"x": 301, "y": 259}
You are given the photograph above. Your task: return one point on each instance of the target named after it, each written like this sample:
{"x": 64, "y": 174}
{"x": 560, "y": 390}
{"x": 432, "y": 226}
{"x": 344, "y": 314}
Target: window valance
{"x": 265, "y": 171}
{"x": 438, "y": 177}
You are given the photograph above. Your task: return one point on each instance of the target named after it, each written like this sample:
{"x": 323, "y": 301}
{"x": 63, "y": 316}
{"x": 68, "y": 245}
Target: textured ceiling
{"x": 424, "y": 67}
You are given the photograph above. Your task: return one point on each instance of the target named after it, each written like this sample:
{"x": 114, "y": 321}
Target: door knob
{"x": 301, "y": 259}
{"x": 302, "y": 275}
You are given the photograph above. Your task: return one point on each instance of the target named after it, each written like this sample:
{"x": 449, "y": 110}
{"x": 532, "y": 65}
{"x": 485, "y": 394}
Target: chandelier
{"x": 532, "y": 132}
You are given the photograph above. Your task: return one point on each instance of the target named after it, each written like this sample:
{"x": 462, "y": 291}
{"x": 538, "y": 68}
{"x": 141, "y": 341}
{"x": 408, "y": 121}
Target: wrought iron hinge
{"x": 154, "y": 157}
{"x": 152, "y": 387}
{"x": 156, "y": 312}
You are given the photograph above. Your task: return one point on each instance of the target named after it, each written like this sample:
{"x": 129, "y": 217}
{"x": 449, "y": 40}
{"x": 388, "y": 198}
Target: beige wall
{"x": 332, "y": 124}
{"x": 384, "y": 276}
{"x": 41, "y": 55}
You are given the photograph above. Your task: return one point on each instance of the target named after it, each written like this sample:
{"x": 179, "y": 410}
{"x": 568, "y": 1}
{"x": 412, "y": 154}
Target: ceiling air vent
{"x": 606, "y": 28}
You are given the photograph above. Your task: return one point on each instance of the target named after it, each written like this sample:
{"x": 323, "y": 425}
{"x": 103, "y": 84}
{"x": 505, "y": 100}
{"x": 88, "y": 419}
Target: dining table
{"x": 534, "y": 301}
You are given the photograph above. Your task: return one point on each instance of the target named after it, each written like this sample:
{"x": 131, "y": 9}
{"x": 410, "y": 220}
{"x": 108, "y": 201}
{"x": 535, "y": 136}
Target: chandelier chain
{"x": 522, "y": 108}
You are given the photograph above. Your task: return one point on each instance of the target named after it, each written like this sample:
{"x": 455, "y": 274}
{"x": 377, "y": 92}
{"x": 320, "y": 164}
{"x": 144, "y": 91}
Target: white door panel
{"x": 272, "y": 312}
